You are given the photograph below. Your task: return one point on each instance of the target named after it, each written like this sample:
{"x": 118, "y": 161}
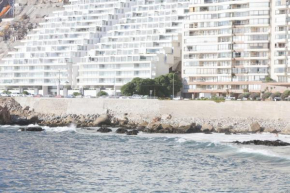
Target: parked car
{"x": 58, "y": 96}
{"x": 48, "y": 95}
{"x": 136, "y": 96}
{"x": 277, "y": 99}
{"x": 89, "y": 96}
{"x": 5, "y": 95}
{"x": 258, "y": 99}
{"x": 38, "y": 95}
{"x": 15, "y": 94}
{"x": 70, "y": 96}
{"x": 178, "y": 98}
{"x": 79, "y": 96}
{"x": 230, "y": 98}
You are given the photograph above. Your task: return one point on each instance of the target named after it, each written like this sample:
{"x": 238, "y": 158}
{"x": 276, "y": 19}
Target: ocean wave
{"x": 71, "y": 128}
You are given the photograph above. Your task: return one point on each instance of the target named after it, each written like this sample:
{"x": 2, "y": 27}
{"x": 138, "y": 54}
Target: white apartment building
{"x": 46, "y": 58}
{"x": 226, "y": 47}
{"x": 280, "y": 70}
{"x": 223, "y": 46}
{"x": 145, "y": 43}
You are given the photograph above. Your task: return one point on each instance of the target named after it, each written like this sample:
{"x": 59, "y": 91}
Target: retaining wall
{"x": 147, "y": 109}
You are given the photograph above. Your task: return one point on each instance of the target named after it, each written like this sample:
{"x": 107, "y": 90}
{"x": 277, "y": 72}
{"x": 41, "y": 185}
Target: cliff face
{"x": 28, "y": 15}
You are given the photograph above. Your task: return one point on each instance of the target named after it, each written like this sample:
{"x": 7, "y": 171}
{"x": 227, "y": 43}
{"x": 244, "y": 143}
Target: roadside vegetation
{"x": 161, "y": 86}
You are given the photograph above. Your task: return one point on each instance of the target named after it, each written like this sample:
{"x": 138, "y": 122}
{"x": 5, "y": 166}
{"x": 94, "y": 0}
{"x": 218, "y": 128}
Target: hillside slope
{"x": 28, "y": 15}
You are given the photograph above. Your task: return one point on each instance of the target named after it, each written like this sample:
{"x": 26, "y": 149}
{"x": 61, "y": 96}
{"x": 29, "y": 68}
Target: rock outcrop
{"x": 31, "y": 129}
{"x": 5, "y": 117}
{"x": 121, "y": 131}
{"x": 102, "y": 120}
{"x": 255, "y": 127}
{"x": 104, "y": 130}
{"x": 261, "y": 142}
{"x": 132, "y": 132}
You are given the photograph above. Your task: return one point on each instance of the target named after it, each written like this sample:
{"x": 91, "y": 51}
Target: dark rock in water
{"x": 104, "y": 130}
{"x": 31, "y": 129}
{"x": 141, "y": 128}
{"x": 5, "y": 117}
{"x": 133, "y": 132}
{"x": 261, "y": 142}
{"x": 121, "y": 130}
{"x": 17, "y": 120}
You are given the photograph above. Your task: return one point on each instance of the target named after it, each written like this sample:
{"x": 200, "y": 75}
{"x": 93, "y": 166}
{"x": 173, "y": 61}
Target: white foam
{"x": 72, "y": 127}
{"x": 222, "y": 138}
{"x": 264, "y": 152}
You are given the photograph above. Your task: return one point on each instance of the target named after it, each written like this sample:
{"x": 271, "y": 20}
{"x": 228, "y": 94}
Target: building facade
{"x": 146, "y": 43}
{"x": 223, "y": 46}
{"x": 48, "y": 54}
{"x": 226, "y": 47}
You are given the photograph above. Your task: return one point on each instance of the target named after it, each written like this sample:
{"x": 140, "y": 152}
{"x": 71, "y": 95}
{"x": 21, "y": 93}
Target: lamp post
{"x": 58, "y": 85}
{"x": 173, "y": 87}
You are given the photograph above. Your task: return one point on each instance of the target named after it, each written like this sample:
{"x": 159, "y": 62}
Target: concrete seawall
{"x": 147, "y": 109}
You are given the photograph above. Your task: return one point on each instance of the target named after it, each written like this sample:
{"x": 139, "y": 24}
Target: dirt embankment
{"x": 28, "y": 15}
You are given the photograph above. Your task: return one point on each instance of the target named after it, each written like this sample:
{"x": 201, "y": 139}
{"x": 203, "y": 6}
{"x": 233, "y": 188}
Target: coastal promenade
{"x": 148, "y": 109}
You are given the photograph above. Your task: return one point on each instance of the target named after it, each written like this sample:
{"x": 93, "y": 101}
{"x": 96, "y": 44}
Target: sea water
{"x": 67, "y": 159}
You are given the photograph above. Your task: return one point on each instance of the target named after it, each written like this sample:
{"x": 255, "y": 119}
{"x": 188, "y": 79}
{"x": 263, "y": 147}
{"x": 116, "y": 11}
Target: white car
{"x": 136, "y": 96}
{"x": 15, "y": 94}
{"x": 178, "y": 98}
{"x": 5, "y": 95}
{"x": 230, "y": 98}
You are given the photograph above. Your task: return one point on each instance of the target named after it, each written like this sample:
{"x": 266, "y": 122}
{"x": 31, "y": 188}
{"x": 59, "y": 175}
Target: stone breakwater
{"x": 11, "y": 112}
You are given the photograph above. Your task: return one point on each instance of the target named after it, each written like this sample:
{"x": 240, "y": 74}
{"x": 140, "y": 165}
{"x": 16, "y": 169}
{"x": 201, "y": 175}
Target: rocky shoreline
{"x": 12, "y": 113}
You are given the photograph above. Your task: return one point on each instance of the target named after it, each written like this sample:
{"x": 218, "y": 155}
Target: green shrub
{"x": 244, "y": 95}
{"x": 276, "y": 94}
{"x": 254, "y": 95}
{"x": 76, "y": 93}
{"x": 102, "y": 93}
{"x": 285, "y": 94}
{"x": 25, "y": 92}
{"x": 266, "y": 95}
{"x": 6, "y": 92}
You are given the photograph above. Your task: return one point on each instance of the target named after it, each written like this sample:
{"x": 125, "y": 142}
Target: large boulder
{"x": 121, "y": 131}
{"x": 142, "y": 126}
{"x": 255, "y": 127}
{"x": 31, "y": 129}
{"x": 123, "y": 121}
{"x": 5, "y": 117}
{"x": 102, "y": 120}
{"x": 224, "y": 129}
{"x": 166, "y": 128}
{"x": 271, "y": 130}
{"x": 18, "y": 120}
{"x": 33, "y": 119}
{"x": 286, "y": 130}
{"x": 207, "y": 128}
{"x": 132, "y": 132}
{"x": 185, "y": 127}
{"x": 153, "y": 127}
{"x": 265, "y": 142}
{"x": 104, "y": 130}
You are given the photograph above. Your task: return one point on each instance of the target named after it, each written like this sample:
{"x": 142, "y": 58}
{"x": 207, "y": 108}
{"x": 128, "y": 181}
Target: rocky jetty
{"x": 265, "y": 142}
{"x": 12, "y": 112}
